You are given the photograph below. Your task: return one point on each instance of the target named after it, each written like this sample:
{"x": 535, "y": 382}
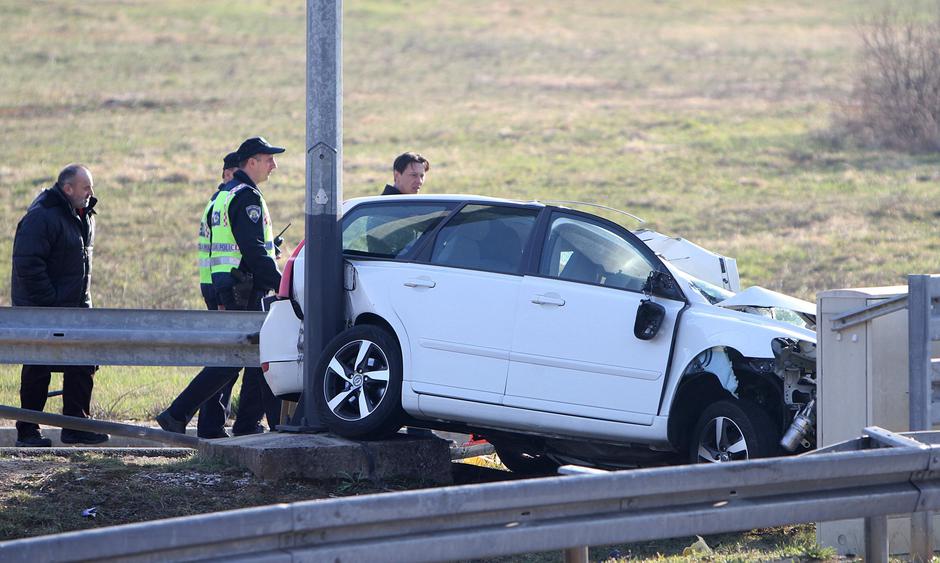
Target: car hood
{"x": 755, "y": 296}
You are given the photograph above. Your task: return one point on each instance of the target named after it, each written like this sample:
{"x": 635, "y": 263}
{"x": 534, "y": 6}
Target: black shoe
{"x": 69, "y": 436}
{"x": 213, "y": 435}
{"x": 33, "y": 441}
{"x": 170, "y": 424}
{"x": 258, "y": 429}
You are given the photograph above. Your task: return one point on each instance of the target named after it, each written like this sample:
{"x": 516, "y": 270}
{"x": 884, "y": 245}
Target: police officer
{"x": 243, "y": 269}
{"x": 213, "y": 412}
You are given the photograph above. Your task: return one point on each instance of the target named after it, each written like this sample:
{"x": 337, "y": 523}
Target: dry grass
{"x": 896, "y": 99}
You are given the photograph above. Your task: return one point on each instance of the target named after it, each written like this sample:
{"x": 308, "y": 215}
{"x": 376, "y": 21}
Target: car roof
{"x": 439, "y": 197}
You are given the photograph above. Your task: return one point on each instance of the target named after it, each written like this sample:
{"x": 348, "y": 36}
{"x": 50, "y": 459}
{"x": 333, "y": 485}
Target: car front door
{"x": 458, "y": 306}
{"x": 574, "y": 350}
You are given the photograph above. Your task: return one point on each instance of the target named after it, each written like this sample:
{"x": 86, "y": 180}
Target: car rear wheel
{"x": 732, "y": 430}
{"x": 358, "y": 384}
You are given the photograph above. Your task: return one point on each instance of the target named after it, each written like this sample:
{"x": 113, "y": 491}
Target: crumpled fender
{"x": 709, "y": 327}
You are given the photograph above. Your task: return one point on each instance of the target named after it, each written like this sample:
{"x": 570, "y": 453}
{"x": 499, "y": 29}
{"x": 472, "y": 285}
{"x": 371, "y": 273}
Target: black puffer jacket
{"x": 52, "y": 253}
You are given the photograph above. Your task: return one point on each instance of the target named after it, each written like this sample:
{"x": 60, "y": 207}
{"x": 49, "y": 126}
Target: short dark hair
{"x": 68, "y": 173}
{"x": 407, "y": 159}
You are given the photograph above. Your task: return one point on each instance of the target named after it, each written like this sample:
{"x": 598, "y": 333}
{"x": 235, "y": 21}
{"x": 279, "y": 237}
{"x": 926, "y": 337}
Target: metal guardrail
{"x": 866, "y": 314}
{"x": 92, "y": 425}
{"x": 555, "y": 513}
{"x": 136, "y": 337}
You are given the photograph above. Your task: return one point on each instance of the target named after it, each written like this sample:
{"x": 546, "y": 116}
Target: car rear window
{"x": 389, "y": 230}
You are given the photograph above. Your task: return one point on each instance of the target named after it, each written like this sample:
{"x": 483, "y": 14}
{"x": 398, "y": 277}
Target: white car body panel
{"x": 541, "y": 423}
{"x": 459, "y": 329}
{"x": 284, "y": 355}
{"x": 569, "y": 358}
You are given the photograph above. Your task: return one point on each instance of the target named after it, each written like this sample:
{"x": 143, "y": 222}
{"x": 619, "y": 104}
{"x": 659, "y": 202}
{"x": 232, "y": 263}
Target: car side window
{"x": 485, "y": 237}
{"x": 389, "y": 230}
{"x": 583, "y": 251}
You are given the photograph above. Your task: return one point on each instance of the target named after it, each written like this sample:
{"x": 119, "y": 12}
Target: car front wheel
{"x": 732, "y": 430}
{"x": 358, "y": 384}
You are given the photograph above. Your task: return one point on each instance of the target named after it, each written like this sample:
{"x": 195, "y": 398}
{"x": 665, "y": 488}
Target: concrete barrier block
{"x": 274, "y": 456}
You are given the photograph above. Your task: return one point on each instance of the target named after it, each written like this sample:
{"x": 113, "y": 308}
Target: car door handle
{"x": 419, "y": 282}
{"x": 550, "y": 299}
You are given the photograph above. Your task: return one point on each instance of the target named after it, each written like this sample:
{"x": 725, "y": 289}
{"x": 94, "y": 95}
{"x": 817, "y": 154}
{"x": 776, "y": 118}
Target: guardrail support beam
{"x": 876, "y": 539}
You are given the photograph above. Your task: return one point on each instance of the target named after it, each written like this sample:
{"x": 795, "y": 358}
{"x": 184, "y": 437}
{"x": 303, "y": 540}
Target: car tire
{"x": 732, "y": 430}
{"x": 363, "y": 402}
{"x": 523, "y": 462}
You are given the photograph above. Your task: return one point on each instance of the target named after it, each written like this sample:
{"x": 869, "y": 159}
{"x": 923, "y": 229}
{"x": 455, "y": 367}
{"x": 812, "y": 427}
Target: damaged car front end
{"x": 770, "y": 363}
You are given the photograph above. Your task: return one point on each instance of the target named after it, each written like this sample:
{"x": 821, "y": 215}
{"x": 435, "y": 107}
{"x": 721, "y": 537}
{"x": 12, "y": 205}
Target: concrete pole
{"x": 323, "y": 263}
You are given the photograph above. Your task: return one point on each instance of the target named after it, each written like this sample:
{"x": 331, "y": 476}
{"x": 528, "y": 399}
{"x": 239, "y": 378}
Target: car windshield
{"x": 711, "y": 292}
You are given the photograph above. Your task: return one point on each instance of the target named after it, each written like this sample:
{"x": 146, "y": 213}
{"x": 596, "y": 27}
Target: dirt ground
{"x": 47, "y": 494}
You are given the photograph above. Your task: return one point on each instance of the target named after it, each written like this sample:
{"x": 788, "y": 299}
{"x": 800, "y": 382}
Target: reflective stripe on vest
{"x": 224, "y": 254}
{"x": 202, "y": 258}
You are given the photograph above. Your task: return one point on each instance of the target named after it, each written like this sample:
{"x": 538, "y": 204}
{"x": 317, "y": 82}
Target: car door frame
{"x": 674, "y": 292}
{"x": 421, "y": 256}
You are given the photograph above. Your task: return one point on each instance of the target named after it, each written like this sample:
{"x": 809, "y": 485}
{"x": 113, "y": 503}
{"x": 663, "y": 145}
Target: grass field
{"x": 709, "y": 118}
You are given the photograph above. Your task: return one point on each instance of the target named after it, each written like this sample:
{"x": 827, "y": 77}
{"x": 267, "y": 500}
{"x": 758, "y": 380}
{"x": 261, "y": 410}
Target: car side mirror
{"x": 649, "y": 319}
{"x": 661, "y": 283}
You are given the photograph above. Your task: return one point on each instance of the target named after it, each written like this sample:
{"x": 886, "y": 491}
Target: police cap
{"x": 231, "y": 160}
{"x": 257, "y": 145}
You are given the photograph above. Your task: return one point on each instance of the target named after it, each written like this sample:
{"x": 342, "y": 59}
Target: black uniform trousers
{"x": 214, "y": 411}
{"x": 255, "y": 399}
{"x": 77, "y": 384}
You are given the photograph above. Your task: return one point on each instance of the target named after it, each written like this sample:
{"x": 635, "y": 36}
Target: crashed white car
{"x": 559, "y": 336}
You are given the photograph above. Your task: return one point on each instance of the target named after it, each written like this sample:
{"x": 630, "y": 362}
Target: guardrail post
{"x": 876, "y": 539}
{"x": 920, "y": 395}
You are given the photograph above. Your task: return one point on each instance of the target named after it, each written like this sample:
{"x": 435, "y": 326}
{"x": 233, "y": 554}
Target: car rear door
{"x": 458, "y": 304}
{"x": 574, "y": 350}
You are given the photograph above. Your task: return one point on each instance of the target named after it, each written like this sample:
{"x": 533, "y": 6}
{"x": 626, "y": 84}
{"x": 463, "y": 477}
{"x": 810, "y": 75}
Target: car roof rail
{"x": 597, "y": 205}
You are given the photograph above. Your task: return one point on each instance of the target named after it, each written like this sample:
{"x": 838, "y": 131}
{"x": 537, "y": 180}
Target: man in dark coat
{"x": 52, "y": 254}
{"x": 408, "y": 172}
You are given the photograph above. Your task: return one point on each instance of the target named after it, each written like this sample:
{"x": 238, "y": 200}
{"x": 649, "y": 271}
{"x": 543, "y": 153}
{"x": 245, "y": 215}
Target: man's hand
{"x": 244, "y": 284}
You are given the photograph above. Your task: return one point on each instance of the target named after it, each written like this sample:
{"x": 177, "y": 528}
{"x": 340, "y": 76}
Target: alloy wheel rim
{"x": 721, "y": 441}
{"x": 356, "y": 380}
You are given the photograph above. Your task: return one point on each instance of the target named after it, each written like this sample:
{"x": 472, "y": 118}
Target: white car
{"x": 558, "y": 335}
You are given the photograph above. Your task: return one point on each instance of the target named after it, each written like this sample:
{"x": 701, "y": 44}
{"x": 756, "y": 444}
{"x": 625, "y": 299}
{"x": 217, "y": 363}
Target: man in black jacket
{"x": 408, "y": 172}
{"x": 52, "y": 253}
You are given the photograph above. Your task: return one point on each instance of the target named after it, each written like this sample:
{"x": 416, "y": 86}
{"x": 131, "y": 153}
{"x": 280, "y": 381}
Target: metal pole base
{"x": 299, "y": 423}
